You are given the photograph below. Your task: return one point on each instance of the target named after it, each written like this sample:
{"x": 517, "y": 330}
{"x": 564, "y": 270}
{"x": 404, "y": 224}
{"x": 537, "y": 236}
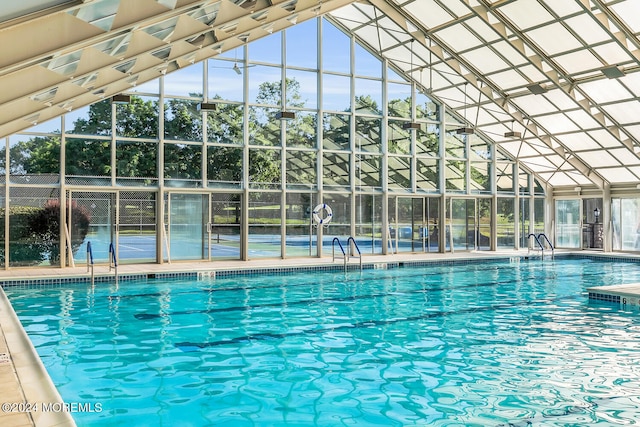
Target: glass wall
{"x": 625, "y": 218}
{"x": 161, "y": 175}
{"x": 568, "y": 223}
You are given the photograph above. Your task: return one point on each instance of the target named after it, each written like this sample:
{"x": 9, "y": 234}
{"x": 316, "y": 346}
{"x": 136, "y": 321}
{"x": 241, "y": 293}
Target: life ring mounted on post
{"x": 322, "y": 220}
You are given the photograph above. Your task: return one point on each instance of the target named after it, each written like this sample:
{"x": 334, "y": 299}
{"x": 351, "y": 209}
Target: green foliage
{"x": 91, "y": 156}
{"x": 34, "y": 232}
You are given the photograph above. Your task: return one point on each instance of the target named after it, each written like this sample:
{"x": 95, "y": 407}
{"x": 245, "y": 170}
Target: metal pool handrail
{"x": 90, "y": 261}
{"x": 537, "y": 241}
{"x": 333, "y": 251}
{"x": 113, "y": 260}
{"x": 352, "y": 240}
{"x": 548, "y": 242}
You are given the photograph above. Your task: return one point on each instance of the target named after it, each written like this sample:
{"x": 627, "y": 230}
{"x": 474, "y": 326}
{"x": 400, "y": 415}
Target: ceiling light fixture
{"x": 207, "y": 106}
{"x": 512, "y": 133}
{"x": 613, "y": 72}
{"x": 411, "y": 125}
{"x": 285, "y": 115}
{"x": 467, "y": 130}
{"x": 120, "y": 99}
{"x": 537, "y": 89}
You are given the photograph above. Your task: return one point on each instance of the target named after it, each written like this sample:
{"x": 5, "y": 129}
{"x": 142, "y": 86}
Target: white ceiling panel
{"x": 504, "y": 47}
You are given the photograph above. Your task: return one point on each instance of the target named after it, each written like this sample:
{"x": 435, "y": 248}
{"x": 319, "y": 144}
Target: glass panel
{"x": 225, "y": 80}
{"x": 225, "y": 125}
{"x": 340, "y": 225}
{"x": 366, "y": 63}
{"x": 138, "y": 118}
{"x": 90, "y": 159}
{"x": 592, "y": 227}
{"x": 399, "y": 173}
{"x": 335, "y": 170}
{"x": 399, "y": 138}
{"x": 224, "y": 167}
{"x": 369, "y": 223}
{"x": 368, "y": 171}
{"x": 136, "y": 163}
{"x": 336, "y": 49}
{"x": 97, "y": 211}
{"x": 264, "y": 128}
{"x": 426, "y": 108}
{"x": 504, "y": 177}
{"x": 368, "y": 96}
{"x": 454, "y": 175}
{"x": 137, "y": 228}
{"x": 187, "y": 235}
{"x": 264, "y": 225}
{"x": 427, "y": 176}
{"x": 505, "y": 228}
{"x": 183, "y": 165}
{"x": 368, "y": 134}
{"x": 568, "y": 223}
{"x": 336, "y": 93}
{"x": 182, "y": 121}
{"x": 524, "y": 222}
{"x": 427, "y": 140}
{"x": 265, "y": 84}
{"x": 267, "y": 49}
{"x": 35, "y": 160}
{"x": 480, "y": 177}
{"x": 538, "y": 215}
{"x": 483, "y": 233}
{"x": 463, "y": 224}
{"x": 225, "y": 226}
{"x": 300, "y": 241}
{"x": 302, "y": 44}
{"x": 184, "y": 82}
{"x": 399, "y": 96}
{"x": 455, "y": 145}
{"x": 407, "y": 230}
{"x": 336, "y": 131}
{"x": 34, "y": 228}
{"x": 92, "y": 120}
{"x": 432, "y": 215}
{"x": 3, "y": 213}
{"x": 301, "y": 168}
{"x": 264, "y": 168}
{"x": 301, "y": 132}
{"x": 302, "y": 89}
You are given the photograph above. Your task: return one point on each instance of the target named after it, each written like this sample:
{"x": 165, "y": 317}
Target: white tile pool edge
{"x": 38, "y": 391}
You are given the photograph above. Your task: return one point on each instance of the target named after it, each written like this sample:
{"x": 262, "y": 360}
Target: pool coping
{"x": 27, "y": 391}
{"x": 31, "y": 376}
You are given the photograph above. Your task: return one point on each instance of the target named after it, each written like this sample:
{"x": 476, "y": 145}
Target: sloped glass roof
{"x": 561, "y": 74}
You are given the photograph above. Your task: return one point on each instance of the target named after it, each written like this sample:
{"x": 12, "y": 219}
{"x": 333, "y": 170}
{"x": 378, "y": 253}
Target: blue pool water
{"x": 497, "y": 344}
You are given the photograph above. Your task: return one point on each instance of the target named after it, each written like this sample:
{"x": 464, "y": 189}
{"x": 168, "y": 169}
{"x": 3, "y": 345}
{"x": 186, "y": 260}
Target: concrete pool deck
{"x": 25, "y": 380}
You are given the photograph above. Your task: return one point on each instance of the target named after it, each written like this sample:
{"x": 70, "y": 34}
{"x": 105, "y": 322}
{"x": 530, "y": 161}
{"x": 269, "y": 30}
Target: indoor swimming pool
{"x": 502, "y": 343}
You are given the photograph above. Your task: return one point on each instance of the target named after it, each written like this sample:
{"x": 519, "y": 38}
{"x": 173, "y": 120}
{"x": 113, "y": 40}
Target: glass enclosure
{"x": 163, "y": 180}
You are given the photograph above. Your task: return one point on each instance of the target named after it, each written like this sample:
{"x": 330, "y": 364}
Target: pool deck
{"x": 25, "y": 380}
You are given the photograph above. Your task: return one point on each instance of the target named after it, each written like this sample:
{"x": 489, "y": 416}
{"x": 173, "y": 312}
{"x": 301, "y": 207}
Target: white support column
{"x": 442, "y": 235}
{"x": 244, "y": 212}
{"x": 320, "y": 138}
{"x": 607, "y": 219}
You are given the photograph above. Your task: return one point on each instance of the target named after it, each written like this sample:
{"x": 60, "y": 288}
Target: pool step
{"x": 627, "y": 295}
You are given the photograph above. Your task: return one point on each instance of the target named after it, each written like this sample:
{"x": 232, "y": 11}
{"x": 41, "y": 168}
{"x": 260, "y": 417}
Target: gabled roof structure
{"x": 554, "y": 83}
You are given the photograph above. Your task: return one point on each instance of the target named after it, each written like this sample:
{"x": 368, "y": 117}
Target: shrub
{"x": 34, "y": 232}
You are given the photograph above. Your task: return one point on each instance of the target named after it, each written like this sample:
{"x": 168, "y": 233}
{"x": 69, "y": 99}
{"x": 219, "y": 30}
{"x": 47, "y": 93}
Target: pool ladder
{"x": 90, "y": 262}
{"x": 346, "y": 255}
{"x": 540, "y": 239}
{"x": 113, "y": 261}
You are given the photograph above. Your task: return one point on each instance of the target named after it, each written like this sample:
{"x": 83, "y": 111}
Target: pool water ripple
{"x": 475, "y": 345}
